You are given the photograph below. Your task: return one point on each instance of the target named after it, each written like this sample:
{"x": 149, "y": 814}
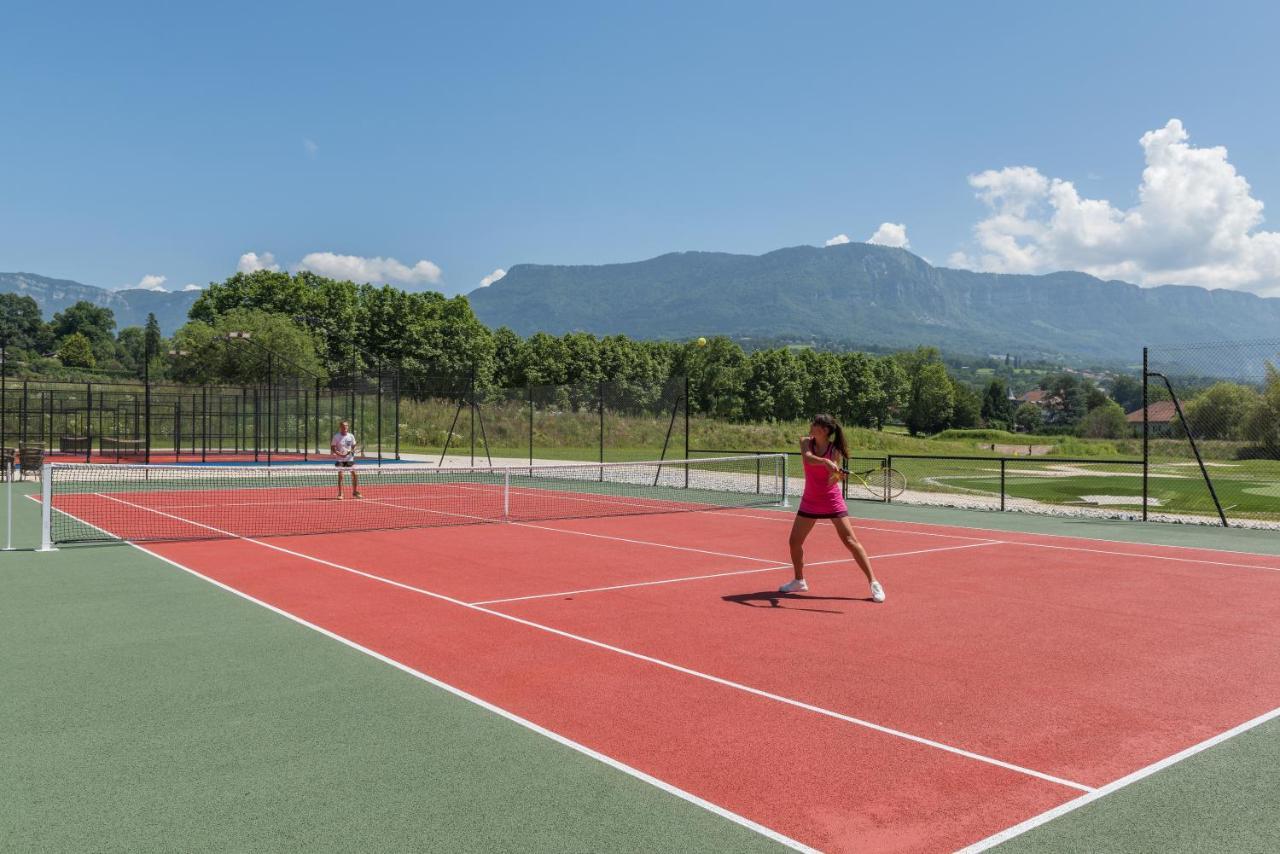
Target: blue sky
{"x": 169, "y": 140}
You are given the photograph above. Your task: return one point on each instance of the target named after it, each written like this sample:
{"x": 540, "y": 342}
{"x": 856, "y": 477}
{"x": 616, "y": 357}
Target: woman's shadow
{"x": 775, "y": 599}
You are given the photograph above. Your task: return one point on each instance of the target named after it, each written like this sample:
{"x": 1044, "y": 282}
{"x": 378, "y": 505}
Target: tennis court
{"x": 629, "y": 613}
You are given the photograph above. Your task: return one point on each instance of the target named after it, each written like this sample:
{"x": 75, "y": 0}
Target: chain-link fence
{"x": 1054, "y": 485}
{"x": 288, "y": 419}
{"x": 1212, "y": 431}
{"x": 460, "y": 422}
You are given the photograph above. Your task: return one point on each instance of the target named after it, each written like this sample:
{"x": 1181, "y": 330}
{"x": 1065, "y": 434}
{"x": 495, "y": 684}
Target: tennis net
{"x": 87, "y": 502}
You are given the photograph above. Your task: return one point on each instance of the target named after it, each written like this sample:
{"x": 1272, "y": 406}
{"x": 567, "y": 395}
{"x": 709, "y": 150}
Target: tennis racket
{"x": 882, "y": 482}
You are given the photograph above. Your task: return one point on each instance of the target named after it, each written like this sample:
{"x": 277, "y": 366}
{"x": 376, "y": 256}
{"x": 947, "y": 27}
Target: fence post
{"x": 4, "y": 391}
{"x": 600, "y": 406}
{"x": 529, "y": 390}
{"x": 686, "y": 430}
{"x": 1146, "y": 436}
{"x": 88, "y": 428}
{"x": 1002, "y": 462}
{"x": 888, "y": 495}
{"x": 46, "y": 508}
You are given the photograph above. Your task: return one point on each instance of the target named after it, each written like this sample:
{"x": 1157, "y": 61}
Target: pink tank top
{"x": 819, "y": 495}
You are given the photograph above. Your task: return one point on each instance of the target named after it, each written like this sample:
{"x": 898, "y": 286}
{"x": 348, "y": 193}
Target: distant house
{"x": 1160, "y": 415}
{"x": 1038, "y": 396}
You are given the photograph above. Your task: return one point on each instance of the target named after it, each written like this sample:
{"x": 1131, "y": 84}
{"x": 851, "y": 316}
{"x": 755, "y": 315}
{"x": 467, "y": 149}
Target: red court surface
{"x": 1007, "y": 673}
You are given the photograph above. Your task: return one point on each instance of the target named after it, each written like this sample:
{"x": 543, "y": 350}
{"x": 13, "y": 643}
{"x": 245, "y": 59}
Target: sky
{"x": 433, "y": 146}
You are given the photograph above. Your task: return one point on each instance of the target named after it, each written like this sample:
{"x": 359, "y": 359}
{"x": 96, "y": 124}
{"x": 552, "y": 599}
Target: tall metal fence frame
{"x": 281, "y": 420}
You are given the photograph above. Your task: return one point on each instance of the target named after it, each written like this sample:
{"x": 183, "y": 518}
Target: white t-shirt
{"x": 345, "y": 445}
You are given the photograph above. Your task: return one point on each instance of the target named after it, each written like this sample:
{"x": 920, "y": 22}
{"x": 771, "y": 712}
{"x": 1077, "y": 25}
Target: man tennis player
{"x": 343, "y": 448}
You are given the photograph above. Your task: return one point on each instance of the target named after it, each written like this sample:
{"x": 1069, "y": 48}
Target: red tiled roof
{"x": 1034, "y": 396}
{"x": 1160, "y": 412}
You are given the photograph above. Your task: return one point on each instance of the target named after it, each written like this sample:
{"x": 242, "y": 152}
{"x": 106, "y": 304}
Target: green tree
{"x": 967, "y": 410}
{"x": 826, "y": 390}
{"x": 20, "y": 322}
{"x": 996, "y": 406}
{"x": 506, "y": 358}
{"x": 582, "y": 360}
{"x": 932, "y": 399}
{"x": 1028, "y": 418}
{"x": 543, "y": 360}
{"x": 152, "y": 338}
{"x": 130, "y": 344}
{"x": 94, "y": 322}
{"x": 1093, "y": 396}
{"x": 717, "y": 374}
{"x": 775, "y": 387}
{"x": 276, "y": 345}
{"x": 1067, "y": 399}
{"x": 1221, "y": 410}
{"x": 1126, "y": 390}
{"x": 1262, "y": 424}
{"x": 268, "y": 291}
{"x": 894, "y": 387}
{"x": 865, "y": 401}
{"x": 1106, "y": 421}
{"x": 76, "y": 351}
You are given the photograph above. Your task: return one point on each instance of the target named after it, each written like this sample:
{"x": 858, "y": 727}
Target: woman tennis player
{"x": 824, "y": 451}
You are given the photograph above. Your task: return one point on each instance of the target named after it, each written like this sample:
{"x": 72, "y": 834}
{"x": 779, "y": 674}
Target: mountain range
{"x": 854, "y": 294}
{"x": 871, "y": 296}
{"x": 130, "y": 306}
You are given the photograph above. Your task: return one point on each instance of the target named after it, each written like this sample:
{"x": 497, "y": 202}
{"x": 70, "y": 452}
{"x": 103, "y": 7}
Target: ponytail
{"x": 835, "y": 434}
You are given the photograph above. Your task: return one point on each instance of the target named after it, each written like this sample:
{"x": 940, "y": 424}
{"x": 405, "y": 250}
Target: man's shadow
{"x": 788, "y": 601}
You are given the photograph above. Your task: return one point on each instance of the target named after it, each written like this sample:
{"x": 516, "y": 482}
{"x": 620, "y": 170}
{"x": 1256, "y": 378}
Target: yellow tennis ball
{"x": 702, "y": 342}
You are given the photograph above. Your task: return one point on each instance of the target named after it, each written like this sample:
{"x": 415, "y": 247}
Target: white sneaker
{"x": 799, "y": 585}
{"x": 877, "y": 592}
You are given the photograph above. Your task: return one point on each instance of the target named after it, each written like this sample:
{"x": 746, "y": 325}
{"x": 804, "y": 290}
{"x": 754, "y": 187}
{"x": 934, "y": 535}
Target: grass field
{"x": 1248, "y": 489}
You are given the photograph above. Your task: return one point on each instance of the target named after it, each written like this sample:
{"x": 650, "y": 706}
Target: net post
{"x": 46, "y": 508}
{"x": 781, "y": 460}
{"x": 506, "y": 496}
{"x": 1002, "y": 482}
{"x": 8, "y": 540}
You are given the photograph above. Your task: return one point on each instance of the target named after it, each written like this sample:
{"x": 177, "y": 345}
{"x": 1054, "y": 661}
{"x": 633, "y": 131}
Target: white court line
{"x": 1075, "y": 804}
{"x": 773, "y": 568}
{"x": 669, "y": 788}
{"x": 978, "y": 757}
{"x": 1174, "y": 558}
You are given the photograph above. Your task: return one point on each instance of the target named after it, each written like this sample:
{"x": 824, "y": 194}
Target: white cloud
{"x": 838, "y": 240}
{"x": 492, "y": 277}
{"x": 252, "y": 262}
{"x": 891, "y": 234}
{"x": 1195, "y": 223}
{"x": 193, "y": 287}
{"x": 152, "y": 283}
{"x": 310, "y": 147}
{"x": 372, "y": 270}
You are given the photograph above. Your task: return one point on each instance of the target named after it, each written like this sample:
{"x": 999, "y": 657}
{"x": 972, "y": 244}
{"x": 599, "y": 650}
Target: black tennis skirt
{"x": 839, "y": 514}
